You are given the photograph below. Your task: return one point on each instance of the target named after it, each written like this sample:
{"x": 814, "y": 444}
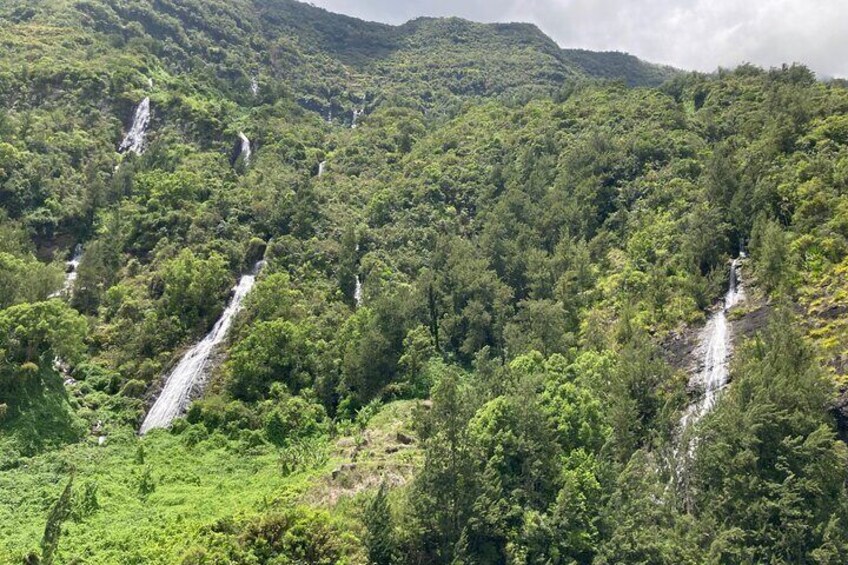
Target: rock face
{"x": 840, "y": 412}
{"x": 704, "y": 353}
{"x": 680, "y": 349}
{"x": 714, "y": 347}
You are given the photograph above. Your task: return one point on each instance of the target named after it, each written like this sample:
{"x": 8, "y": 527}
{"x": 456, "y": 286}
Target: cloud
{"x": 691, "y": 34}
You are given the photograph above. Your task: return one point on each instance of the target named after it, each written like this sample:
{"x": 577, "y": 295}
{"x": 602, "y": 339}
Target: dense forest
{"x": 453, "y": 282}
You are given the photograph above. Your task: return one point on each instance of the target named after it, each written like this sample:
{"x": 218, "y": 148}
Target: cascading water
{"x": 191, "y": 371}
{"x": 322, "y": 168}
{"x": 245, "y": 148}
{"x": 714, "y": 347}
{"x": 135, "y": 138}
{"x": 356, "y": 115}
{"x": 71, "y": 274}
{"x": 357, "y": 292}
{"x": 254, "y": 86}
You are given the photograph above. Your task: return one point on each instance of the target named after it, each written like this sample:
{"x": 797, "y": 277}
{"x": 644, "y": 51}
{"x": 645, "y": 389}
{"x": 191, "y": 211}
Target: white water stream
{"x": 322, "y": 168}
{"x": 357, "y": 292}
{"x": 714, "y": 347}
{"x": 357, "y": 113}
{"x": 245, "y": 148}
{"x": 71, "y": 273}
{"x": 192, "y": 370}
{"x": 135, "y": 138}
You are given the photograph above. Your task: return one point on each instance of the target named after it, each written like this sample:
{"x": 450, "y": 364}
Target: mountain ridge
{"x": 332, "y": 61}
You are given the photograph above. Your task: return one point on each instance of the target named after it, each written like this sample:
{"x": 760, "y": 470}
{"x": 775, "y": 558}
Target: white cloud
{"x": 691, "y": 34}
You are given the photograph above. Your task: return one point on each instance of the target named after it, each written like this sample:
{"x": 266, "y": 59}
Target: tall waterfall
{"x": 192, "y": 370}
{"x": 245, "y": 148}
{"x": 134, "y": 140}
{"x": 714, "y": 347}
{"x": 71, "y": 273}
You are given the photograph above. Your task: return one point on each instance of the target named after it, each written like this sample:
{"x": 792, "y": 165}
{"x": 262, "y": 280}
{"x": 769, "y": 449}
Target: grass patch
{"x": 152, "y": 504}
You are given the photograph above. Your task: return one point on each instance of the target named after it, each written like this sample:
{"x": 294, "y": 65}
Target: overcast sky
{"x": 690, "y": 34}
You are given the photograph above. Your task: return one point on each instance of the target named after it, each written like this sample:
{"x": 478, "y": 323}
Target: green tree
{"x": 32, "y": 336}
{"x": 771, "y": 253}
{"x": 59, "y": 512}
{"x": 769, "y": 475}
{"x": 379, "y": 538}
{"x": 194, "y": 288}
{"x": 275, "y": 351}
{"x": 445, "y": 488}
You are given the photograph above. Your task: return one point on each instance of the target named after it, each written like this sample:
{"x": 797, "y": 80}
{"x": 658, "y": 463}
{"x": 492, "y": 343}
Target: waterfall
{"x": 134, "y": 140}
{"x": 356, "y": 115}
{"x": 192, "y": 369}
{"x": 71, "y": 273}
{"x": 357, "y": 292}
{"x": 322, "y": 168}
{"x": 245, "y": 148}
{"x": 714, "y": 347}
{"x": 254, "y": 86}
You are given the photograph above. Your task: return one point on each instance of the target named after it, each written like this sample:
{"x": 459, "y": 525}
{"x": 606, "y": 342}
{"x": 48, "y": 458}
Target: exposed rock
{"x": 752, "y": 321}
{"x": 840, "y": 412}
{"x": 680, "y": 347}
{"x": 346, "y": 468}
{"x": 405, "y": 439}
{"x": 833, "y": 312}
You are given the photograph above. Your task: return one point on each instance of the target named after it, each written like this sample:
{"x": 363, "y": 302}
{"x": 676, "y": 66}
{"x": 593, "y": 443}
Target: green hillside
{"x": 479, "y": 317}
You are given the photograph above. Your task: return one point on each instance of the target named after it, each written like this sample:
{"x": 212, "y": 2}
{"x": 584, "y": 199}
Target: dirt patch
{"x": 387, "y": 451}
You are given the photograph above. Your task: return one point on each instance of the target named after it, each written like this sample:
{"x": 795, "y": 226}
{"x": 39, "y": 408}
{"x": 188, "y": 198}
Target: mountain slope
{"x": 334, "y": 62}
{"x": 454, "y": 350}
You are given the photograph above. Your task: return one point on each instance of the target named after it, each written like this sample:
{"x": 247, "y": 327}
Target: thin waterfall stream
{"x": 715, "y": 346}
{"x": 192, "y": 369}
{"x": 357, "y": 290}
{"x": 71, "y": 273}
{"x": 244, "y": 149}
{"x": 135, "y": 139}
{"x": 357, "y": 113}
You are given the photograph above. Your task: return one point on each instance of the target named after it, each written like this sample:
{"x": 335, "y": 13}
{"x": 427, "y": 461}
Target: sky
{"x": 689, "y": 34}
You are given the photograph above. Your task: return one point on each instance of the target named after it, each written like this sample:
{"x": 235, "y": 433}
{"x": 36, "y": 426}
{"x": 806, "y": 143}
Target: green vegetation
{"x": 458, "y": 347}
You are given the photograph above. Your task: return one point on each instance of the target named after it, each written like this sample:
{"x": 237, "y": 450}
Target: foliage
{"x": 530, "y": 237}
